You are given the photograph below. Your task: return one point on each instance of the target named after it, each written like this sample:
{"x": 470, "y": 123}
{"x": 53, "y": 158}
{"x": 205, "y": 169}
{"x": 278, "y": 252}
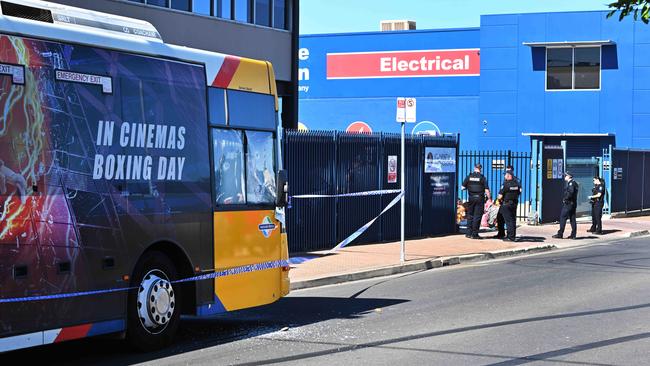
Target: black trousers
{"x": 475, "y": 208}
{"x": 568, "y": 213}
{"x": 597, "y": 216}
{"x": 509, "y": 213}
{"x": 501, "y": 224}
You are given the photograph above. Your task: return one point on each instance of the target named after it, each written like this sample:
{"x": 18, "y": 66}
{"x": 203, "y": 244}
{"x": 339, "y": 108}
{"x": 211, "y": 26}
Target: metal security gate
{"x": 494, "y": 168}
{"x": 334, "y": 163}
{"x": 630, "y": 181}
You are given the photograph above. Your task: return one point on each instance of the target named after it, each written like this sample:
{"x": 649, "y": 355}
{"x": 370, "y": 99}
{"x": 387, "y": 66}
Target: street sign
{"x": 410, "y": 110}
{"x": 392, "y": 168}
{"x": 401, "y": 110}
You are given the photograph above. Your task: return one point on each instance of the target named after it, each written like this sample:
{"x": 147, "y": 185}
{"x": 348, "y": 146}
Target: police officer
{"x": 569, "y": 204}
{"x": 597, "y": 199}
{"x": 509, "y": 197}
{"x": 501, "y": 232}
{"x": 477, "y": 187}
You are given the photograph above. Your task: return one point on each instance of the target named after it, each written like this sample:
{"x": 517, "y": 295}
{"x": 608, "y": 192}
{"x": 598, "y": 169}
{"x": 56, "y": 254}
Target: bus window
{"x": 251, "y": 110}
{"x": 260, "y": 174}
{"x": 229, "y": 167}
{"x": 217, "y": 106}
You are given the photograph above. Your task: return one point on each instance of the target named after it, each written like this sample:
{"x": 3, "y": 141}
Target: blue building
{"x": 574, "y": 79}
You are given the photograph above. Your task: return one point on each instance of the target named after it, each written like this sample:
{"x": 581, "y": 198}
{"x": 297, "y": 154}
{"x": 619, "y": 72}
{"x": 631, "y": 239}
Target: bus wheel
{"x": 153, "y": 309}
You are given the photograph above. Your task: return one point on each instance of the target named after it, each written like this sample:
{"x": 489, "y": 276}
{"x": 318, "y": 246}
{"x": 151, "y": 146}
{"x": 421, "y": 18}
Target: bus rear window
{"x": 251, "y": 110}
{"x": 260, "y": 172}
{"x": 229, "y": 167}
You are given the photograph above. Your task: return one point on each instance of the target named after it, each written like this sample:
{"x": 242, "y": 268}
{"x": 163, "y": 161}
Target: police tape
{"x": 208, "y": 276}
{"x": 356, "y": 194}
{"x": 365, "y": 227}
{"x": 230, "y": 271}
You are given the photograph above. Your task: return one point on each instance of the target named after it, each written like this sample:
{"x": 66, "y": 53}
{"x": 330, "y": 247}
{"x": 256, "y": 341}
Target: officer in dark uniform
{"x": 477, "y": 187}
{"x": 509, "y": 197}
{"x": 597, "y": 199}
{"x": 569, "y": 204}
{"x": 501, "y": 231}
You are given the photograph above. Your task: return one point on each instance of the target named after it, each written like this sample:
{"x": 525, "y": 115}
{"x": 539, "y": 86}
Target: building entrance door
{"x": 552, "y": 181}
{"x": 584, "y": 171}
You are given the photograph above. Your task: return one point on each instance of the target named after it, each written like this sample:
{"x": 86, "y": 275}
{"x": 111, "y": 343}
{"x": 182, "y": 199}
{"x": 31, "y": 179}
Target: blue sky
{"x": 334, "y": 16}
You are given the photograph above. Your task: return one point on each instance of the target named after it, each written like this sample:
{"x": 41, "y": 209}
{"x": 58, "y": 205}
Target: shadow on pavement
{"x": 195, "y": 334}
{"x": 531, "y": 239}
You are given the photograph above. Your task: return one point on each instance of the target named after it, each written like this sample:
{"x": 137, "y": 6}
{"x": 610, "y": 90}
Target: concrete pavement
{"x": 368, "y": 261}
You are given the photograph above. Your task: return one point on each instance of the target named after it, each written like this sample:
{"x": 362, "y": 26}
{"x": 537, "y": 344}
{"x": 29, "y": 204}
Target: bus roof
{"x": 45, "y": 20}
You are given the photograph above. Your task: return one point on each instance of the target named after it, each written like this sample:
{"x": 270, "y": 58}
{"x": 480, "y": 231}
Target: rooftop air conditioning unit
{"x": 396, "y": 25}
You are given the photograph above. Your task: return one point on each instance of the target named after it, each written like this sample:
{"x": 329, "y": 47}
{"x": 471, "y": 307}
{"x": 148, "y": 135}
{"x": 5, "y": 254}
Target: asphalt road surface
{"x": 586, "y": 306}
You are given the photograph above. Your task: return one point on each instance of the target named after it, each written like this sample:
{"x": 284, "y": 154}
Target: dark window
{"x": 280, "y": 14}
{"x": 251, "y": 110}
{"x": 137, "y": 1}
{"x": 576, "y": 68}
{"x": 163, "y": 3}
{"x": 229, "y": 168}
{"x": 217, "y": 106}
{"x": 223, "y": 9}
{"x": 242, "y": 10}
{"x": 587, "y": 68}
{"x": 181, "y": 5}
{"x": 260, "y": 172}
{"x": 201, "y": 7}
{"x": 263, "y": 12}
{"x": 559, "y": 68}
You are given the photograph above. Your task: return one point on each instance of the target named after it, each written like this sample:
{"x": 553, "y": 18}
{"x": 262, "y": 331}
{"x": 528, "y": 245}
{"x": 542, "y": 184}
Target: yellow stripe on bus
{"x": 252, "y": 76}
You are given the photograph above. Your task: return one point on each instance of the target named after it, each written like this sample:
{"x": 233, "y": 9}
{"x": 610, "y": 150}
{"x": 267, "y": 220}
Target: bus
{"x": 139, "y": 181}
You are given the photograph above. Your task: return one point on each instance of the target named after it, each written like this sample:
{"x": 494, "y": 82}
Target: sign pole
{"x": 403, "y": 180}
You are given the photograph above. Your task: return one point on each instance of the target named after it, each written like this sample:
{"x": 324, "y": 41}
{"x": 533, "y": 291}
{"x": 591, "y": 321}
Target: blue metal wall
{"x": 509, "y": 95}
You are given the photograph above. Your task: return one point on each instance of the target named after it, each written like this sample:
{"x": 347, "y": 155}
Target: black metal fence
{"x": 331, "y": 162}
{"x": 630, "y": 179}
{"x": 494, "y": 167}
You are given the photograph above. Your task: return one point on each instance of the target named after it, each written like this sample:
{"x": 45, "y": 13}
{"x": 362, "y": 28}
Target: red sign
{"x": 402, "y": 64}
{"x": 359, "y": 127}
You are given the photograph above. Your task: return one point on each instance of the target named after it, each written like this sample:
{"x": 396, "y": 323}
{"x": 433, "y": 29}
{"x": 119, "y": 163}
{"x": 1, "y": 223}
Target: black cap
{"x": 569, "y": 174}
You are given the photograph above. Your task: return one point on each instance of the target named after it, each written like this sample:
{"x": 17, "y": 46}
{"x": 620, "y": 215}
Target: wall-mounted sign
{"x": 618, "y": 174}
{"x": 403, "y": 64}
{"x": 554, "y": 169}
{"x": 75, "y": 77}
{"x": 392, "y": 168}
{"x": 439, "y": 160}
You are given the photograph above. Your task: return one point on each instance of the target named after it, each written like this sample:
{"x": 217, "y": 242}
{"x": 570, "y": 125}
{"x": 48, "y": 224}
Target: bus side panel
{"x": 91, "y": 175}
{"x": 245, "y": 238}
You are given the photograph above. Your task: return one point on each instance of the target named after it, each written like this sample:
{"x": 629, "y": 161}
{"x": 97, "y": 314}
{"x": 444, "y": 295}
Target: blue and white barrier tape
{"x": 365, "y": 227}
{"x": 209, "y": 276}
{"x": 357, "y": 194}
{"x": 237, "y": 270}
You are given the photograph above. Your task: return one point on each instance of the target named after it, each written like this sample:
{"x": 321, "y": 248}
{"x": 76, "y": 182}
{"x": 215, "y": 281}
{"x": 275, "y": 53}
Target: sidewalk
{"x": 367, "y": 261}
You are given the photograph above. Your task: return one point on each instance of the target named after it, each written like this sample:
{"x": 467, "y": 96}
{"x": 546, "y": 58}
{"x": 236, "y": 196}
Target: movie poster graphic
{"x": 92, "y": 140}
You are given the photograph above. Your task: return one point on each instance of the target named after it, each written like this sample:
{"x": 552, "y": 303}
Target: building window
{"x": 573, "y": 68}
{"x": 587, "y": 68}
{"x": 201, "y": 7}
{"x": 242, "y": 10}
{"x": 263, "y": 12}
{"x": 280, "y": 14}
{"x": 163, "y": 3}
{"x": 223, "y": 9}
{"x": 180, "y": 5}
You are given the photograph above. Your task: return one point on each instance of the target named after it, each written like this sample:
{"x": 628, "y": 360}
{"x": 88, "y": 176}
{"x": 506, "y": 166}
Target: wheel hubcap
{"x": 156, "y": 301}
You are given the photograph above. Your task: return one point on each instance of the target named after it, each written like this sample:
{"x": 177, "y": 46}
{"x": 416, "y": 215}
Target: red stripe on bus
{"x": 227, "y": 71}
{"x": 70, "y": 333}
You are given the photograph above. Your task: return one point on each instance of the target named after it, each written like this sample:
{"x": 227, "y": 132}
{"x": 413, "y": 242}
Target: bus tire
{"x": 153, "y": 309}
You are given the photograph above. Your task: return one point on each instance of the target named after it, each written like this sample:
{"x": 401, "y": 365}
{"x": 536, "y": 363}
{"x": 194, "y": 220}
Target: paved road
{"x": 587, "y": 306}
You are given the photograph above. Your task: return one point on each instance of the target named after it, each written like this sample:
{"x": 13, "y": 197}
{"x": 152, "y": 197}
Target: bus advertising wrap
{"x": 101, "y": 152}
